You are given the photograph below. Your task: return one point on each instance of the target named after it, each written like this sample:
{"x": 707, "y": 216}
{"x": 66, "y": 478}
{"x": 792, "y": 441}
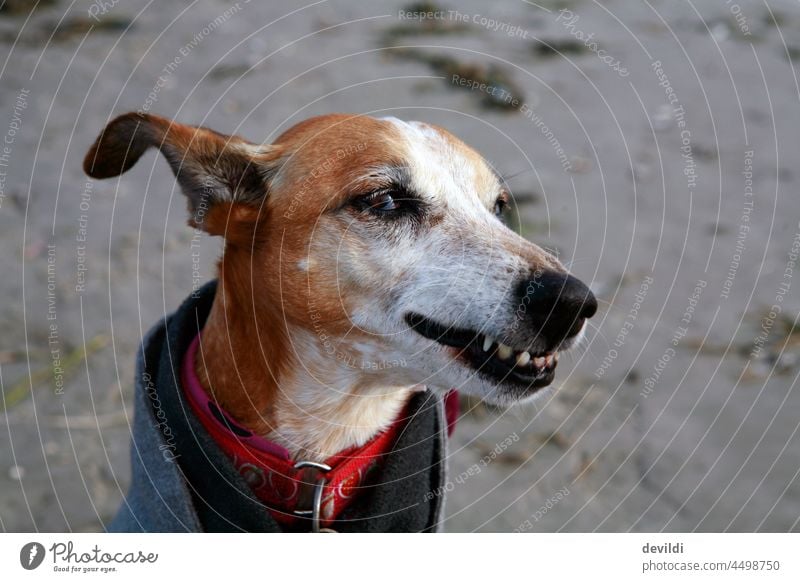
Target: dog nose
{"x": 558, "y": 304}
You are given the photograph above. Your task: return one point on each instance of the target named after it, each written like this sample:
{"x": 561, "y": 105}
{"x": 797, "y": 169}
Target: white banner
{"x": 484, "y": 557}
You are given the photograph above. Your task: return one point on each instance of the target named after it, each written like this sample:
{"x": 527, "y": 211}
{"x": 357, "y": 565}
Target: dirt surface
{"x": 653, "y": 144}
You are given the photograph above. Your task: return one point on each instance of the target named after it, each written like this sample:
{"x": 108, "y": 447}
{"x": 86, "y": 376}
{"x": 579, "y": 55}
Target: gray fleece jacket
{"x": 183, "y": 482}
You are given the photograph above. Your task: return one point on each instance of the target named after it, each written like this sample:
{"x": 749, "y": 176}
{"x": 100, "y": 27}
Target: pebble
{"x": 662, "y": 118}
{"x": 16, "y": 473}
{"x": 580, "y": 165}
{"x": 720, "y": 31}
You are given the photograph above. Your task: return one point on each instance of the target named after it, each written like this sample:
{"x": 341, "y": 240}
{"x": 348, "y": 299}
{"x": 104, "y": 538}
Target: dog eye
{"x": 383, "y": 202}
{"x": 389, "y": 203}
{"x": 500, "y": 206}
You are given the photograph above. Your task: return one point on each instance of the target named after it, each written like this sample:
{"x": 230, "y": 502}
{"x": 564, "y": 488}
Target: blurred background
{"x": 652, "y": 144}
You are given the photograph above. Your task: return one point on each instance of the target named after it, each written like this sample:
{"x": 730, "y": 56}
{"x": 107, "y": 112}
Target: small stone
{"x": 642, "y": 172}
{"x": 720, "y": 31}
{"x": 580, "y": 165}
{"x": 662, "y": 118}
{"x": 16, "y": 473}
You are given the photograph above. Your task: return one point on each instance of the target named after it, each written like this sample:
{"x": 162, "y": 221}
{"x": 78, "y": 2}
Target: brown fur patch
{"x": 210, "y": 167}
{"x": 261, "y": 289}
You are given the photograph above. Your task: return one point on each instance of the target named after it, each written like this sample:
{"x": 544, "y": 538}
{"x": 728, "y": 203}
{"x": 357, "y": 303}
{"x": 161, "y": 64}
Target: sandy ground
{"x": 662, "y": 169}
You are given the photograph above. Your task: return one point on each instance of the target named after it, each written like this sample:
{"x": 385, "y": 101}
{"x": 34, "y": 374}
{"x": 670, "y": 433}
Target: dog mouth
{"x": 490, "y": 358}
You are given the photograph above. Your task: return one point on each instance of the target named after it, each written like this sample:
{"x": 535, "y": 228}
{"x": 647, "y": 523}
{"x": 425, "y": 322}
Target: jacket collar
{"x": 183, "y": 481}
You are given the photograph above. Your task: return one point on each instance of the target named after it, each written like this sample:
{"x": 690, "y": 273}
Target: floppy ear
{"x": 213, "y": 170}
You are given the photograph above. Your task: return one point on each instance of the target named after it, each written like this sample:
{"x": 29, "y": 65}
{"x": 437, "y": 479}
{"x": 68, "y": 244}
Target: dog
{"x": 366, "y": 272}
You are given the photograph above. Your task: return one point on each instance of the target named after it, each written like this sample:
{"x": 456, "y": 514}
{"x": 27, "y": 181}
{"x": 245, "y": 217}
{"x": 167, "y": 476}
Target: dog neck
{"x": 280, "y": 382}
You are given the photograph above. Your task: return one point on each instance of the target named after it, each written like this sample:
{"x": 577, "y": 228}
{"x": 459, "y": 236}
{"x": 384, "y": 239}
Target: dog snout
{"x": 558, "y": 305}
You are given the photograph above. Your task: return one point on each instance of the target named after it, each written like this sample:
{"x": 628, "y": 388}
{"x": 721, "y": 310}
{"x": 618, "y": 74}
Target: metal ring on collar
{"x": 316, "y": 506}
{"x": 304, "y": 464}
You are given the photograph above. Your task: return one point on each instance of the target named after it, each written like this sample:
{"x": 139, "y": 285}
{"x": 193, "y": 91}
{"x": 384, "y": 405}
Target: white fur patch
{"x": 462, "y": 270}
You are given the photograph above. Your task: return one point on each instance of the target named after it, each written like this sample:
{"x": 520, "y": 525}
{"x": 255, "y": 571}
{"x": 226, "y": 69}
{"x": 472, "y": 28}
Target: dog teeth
{"x": 520, "y": 359}
{"x": 504, "y": 352}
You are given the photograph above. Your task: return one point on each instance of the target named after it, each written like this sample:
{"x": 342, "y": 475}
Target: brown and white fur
{"x": 336, "y": 236}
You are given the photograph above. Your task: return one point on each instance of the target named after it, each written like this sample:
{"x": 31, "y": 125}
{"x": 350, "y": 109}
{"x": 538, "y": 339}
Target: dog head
{"x": 376, "y": 245}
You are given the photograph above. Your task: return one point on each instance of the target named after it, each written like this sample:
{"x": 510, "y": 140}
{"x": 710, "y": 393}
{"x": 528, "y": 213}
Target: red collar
{"x": 268, "y": 467}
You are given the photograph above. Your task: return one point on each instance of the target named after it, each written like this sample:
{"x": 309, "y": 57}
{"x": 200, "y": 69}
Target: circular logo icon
{"x": 31, "y": 555}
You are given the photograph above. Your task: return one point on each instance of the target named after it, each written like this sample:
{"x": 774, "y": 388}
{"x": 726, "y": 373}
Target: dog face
{"x": 379, "y": 247}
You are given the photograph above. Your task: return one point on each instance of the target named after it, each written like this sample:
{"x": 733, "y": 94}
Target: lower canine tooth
{"x": 523, "y": 359}
{"x": 487, "y": 343}
{"x": 504, "y": 351}
{"x": 538, "y": 362}
{"x": 549, "y": 359}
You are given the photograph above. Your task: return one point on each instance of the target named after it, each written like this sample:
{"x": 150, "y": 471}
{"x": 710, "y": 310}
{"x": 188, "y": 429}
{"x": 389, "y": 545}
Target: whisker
{"x": 437, "y": 268}
{"x": 597, "y": 330}
{"x": 608, "y": 305}
{"x": 581, "y": 349}
{"x": 505, "y": 178}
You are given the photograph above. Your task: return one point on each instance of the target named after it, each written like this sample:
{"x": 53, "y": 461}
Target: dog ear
{"x": 214, "y": 171}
